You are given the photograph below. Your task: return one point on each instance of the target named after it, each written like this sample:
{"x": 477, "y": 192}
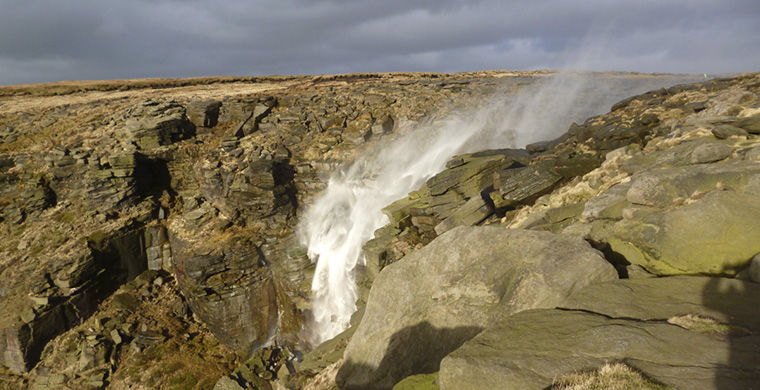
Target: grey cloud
{"x": 76, "y": 39}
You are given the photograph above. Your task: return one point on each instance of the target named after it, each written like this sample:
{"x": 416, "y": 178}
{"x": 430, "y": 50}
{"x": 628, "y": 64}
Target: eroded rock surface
{"x": 203, "y": 182}
{"x": 664, "y": 184}
{"x": 430, "y": 302}
{"x": 685, "y": 332}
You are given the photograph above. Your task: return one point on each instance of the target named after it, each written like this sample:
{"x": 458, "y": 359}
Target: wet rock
{"x": 376, "y": 250}
{"x": 616, "y": 136}
{"x": 542, "y": 146}
{"x": 469, "y": 178}
{"x": 576, "y": 166}
{"x": 442, "y": 195}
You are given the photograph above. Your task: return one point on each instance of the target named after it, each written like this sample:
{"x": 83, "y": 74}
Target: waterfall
{"x": 347, "y": 213}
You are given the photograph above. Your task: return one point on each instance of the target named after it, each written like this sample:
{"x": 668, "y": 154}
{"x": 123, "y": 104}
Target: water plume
{"x": 347, "y": 213}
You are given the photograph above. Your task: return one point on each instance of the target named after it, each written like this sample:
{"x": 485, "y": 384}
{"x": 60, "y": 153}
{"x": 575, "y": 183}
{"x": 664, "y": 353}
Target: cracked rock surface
{"x": 474, "y": 277}
{"x": 685, "y": 332}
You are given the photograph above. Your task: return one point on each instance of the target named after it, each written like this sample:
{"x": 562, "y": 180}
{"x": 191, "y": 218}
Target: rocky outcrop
{"x": 669, "y": 213}
{"x": 662, "y": 185}
{"x": 685, "y": 332}
{"x": 142, "y": 331}
{"x": 207, "y": 185}
{"x": 153, "y": 124}
{"x": 471, "y": 189}
{"x": 493, "y": 183}
{"x": 230, "y": 287}
{"x": 204, "y": 113}
{"x": 248, "y": 190}
{"x": 679, "y": 203}
{"x": 675, "y": 200}
{"x": 72, "y": 293}
{"x": 430, "y": 302}
{"x": 683, "y": 241}
{"x": 120, "y": 171}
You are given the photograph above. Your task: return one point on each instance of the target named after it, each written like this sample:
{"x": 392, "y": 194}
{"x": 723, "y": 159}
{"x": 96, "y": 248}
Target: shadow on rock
{"x": 742, "y": 368}
{"x": 413, "y": 350}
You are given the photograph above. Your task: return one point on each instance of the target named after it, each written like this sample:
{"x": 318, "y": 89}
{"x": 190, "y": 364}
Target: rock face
{"x": 714, "y": 231}
{"x": 153, "y": 124}
{"x": 471, "y": 189}
{"x": 146, "y": 326}
{"x": 79, "y": 284}
{"x": 427, "y": 304}
{"x": 664, "y": 184}
{"x": 686, "y": 332}
{"x": 208, "y": 188}
{"x": 229, "y": 286}
{"x": 681, "y": 201}
{"x": 487, "y": 185}
{"x": 718, "y": 234}
{"x": 200, "y": 185}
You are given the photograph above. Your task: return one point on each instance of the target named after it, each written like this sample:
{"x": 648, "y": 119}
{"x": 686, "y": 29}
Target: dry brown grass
{"x": 70, "y": 87}
{"x": 611, "y": 376}
{"x": 175, "y": 363}
{"x": 706, "y": 325}
{"x": 325, "y": 380}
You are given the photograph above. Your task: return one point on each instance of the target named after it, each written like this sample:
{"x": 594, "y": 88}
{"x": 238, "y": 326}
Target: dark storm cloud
{"x": 54, "y": 40}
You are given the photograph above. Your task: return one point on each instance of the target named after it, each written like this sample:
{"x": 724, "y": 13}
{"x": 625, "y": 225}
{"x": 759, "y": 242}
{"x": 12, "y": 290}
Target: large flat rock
{"x": 725, "y": 300}
{"x": 626, "y": 321}
{"x": 717, "y": 234}
{"x": 430, "y": 302}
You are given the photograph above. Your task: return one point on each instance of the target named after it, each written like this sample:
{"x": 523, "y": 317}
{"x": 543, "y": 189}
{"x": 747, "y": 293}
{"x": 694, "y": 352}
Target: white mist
{"x": 347, "y": 213}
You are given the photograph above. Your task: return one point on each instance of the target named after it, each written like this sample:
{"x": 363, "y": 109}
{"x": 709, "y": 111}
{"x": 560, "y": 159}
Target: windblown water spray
{"x": 345, "y": 216}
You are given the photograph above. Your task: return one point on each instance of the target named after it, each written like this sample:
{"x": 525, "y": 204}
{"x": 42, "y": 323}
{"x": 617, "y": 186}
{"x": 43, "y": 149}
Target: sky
{"x": 56, "y": 40}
